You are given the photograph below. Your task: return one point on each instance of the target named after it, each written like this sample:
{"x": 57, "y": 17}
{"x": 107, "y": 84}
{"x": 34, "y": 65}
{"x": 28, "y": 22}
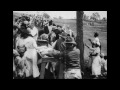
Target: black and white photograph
{"x": 59, "y": 44}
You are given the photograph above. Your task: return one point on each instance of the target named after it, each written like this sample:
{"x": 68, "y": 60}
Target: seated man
{"x": 72, "y": 60}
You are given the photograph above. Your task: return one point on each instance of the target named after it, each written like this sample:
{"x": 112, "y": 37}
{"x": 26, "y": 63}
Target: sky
{"x": 67, "y": 14}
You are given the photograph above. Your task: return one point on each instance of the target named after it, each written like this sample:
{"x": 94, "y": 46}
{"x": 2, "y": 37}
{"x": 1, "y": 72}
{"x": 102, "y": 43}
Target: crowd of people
{"x": 35, "y": 38}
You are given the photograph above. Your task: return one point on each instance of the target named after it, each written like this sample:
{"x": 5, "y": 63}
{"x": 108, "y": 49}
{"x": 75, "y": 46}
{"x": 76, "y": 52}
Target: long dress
{"x": 96, "y": 65}
{"x": 31, "y": 57}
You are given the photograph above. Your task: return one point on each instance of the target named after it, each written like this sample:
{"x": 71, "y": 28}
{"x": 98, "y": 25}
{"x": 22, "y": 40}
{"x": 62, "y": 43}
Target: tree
{"x": 104, "y": 19}
{"x": 79, "y": 38}
{"x": 54, "y": 17}
{"x": 85, "y": 17}
{"x": 95, "y": 16}
{"x": 45, "y": 15}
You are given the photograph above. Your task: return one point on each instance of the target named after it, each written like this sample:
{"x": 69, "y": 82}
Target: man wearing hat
{"x": 47, "y": 51}
{"x": 58, "y": 45}
{"x": 71, "y": 60}
{"x": 45, "y": 48}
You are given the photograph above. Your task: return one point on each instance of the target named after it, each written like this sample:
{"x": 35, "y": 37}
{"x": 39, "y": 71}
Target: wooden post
{"x": 61, "y": 71}
{"x": 43, "y": 65}
{"x": 79, "y": 38}
{"x": 42, "y": 70}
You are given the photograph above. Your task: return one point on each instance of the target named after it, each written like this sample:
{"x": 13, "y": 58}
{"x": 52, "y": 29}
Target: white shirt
{"x": 50, "y": 28}
{"x": 19, "y": 42}
{"x": 34, "y": 31}
{"x": 96, "y": 41}
{"x": 97, "y": 50}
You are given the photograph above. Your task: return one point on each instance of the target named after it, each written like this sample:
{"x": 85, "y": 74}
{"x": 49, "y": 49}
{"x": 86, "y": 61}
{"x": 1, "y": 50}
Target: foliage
{"x": 45, "y": 15}
{"x": 85, "y": 17}
{"x": 95, "y": 16}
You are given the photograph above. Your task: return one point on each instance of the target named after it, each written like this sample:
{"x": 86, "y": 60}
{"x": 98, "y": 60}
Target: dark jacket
{"x": 59, "y": 45}
{"x": 57, "y": 32}
{"x": 46, "y": 30}
{"x": 72, "y": 58}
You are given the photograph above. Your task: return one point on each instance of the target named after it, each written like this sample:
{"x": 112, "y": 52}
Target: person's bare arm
{"x": 90, "y": 47}
{"x": 15, "y": 52}
{"x": 90, "y": 41}
{"x": 35, "y": 45}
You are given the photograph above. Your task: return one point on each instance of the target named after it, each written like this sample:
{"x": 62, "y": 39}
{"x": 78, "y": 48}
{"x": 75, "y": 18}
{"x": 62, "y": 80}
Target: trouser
{"x": 73, "y": 74}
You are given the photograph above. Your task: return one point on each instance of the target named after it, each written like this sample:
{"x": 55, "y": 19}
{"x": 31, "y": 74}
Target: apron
{"x": 96, "y": 66}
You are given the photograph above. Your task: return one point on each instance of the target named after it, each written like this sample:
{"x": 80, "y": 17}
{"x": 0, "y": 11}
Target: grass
{"x": 88, "y": 32}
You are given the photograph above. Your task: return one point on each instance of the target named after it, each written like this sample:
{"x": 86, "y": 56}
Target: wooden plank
{"x": 42, "y": 72}
{"x": 44, "y": 61}
{"x": 61, "y": 71}
{"x": 49, "y": 60}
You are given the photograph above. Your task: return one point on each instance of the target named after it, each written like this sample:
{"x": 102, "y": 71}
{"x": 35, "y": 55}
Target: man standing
{"x": 72, "y": 60}
{"x": 59, "y": 45}
{"x": 47, "y": 51}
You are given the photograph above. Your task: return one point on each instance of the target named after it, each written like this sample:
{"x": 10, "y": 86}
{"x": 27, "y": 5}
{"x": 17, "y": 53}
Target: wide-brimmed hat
{"x": 43, "y": 38}
{"x": 70, "y": 40}
{"x": 63, "y": 35}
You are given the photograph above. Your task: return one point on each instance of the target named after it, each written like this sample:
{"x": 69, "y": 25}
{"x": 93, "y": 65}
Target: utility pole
{"x": 79, "y": 38}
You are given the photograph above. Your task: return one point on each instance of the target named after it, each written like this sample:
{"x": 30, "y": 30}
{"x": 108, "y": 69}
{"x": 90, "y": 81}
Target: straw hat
{"x": 70, "y": 40}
